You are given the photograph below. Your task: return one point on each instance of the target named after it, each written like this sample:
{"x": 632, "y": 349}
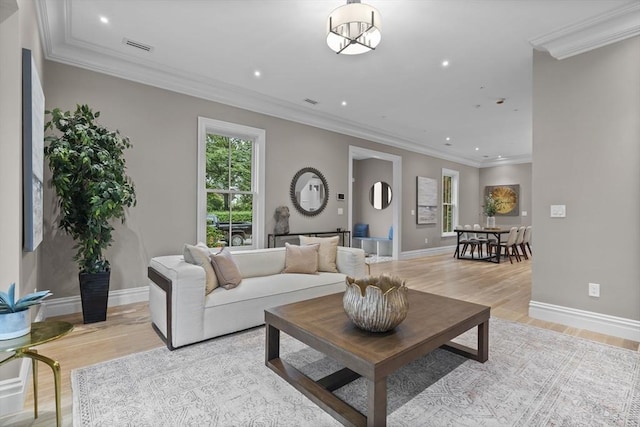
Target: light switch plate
{"x": 340, "y": 211}
{"x": 524, "y": 213}
{"x": 558, "y": 211}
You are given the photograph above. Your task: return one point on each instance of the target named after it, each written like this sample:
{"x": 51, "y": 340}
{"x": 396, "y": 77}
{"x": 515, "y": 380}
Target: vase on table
{"x": 491, "y": 222}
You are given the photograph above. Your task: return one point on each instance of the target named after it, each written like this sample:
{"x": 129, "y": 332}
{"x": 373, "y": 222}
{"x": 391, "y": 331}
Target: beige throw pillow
{"x": 198, "y": 255}
{"x": 226, "y": 269}
{"x": 301, "y": 259}
{"x": 327, "y": 252}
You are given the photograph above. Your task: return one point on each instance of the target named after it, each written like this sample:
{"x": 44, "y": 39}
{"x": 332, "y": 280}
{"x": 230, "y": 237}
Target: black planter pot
{"x": 94, "y": 292}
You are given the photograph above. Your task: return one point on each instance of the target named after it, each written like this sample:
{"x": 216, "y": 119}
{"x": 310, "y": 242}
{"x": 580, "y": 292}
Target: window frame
{"x": 258, "y": 136}
{"x": 455, "y": 181}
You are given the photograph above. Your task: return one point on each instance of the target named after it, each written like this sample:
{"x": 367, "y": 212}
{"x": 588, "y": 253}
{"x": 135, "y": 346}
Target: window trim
{"x": 455, "y": 181}
{"x": 258, "y": 136}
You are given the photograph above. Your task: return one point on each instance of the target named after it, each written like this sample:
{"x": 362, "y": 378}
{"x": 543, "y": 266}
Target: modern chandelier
{"x": 354, "y": 28}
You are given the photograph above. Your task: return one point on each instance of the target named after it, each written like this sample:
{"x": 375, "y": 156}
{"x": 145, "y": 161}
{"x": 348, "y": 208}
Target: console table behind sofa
{"x": 278, "y": 240}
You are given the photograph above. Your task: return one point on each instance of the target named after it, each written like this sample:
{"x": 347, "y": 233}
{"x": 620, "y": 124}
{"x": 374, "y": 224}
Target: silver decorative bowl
{"x": 376, "y": 304}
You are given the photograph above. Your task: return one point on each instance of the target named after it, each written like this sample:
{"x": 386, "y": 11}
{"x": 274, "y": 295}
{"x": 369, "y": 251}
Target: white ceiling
{"x": 399, "y": 94}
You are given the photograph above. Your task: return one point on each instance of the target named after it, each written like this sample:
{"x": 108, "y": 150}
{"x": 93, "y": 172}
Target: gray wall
{"x": 162, "y": 126}
{"x": 366, "y": 173}
{"x": 586, "y": 155}
{"x": 18, "y": 30}
{"x": 508, "y": 175}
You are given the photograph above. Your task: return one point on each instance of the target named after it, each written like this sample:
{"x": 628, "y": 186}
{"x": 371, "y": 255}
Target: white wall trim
{"x": 69, "y": 305}
{"x": 607, "y": 28}
{"x": 428, "y": 252}
{"x": 597, "y": 322}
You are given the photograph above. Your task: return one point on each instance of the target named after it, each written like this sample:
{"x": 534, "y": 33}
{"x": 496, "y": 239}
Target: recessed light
{"x": 343, "y": 103}
{"x": 499, "y": 157}
{"x": 104, "y": 19}
{"x": 445, "y": 63}
{"x": 477, "y": 148}
{"x": 257, "y": 73}
{"x": 448, "y": 139}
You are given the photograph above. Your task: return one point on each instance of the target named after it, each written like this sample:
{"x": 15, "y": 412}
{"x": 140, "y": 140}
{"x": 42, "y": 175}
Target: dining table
{"x": 496, "y": 232}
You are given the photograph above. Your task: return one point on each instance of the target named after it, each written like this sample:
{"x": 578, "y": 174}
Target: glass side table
{"x": 41, "y": 332}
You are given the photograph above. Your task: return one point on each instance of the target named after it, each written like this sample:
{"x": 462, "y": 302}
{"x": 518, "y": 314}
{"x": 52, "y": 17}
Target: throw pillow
{"x": 301, "y": 259}
{"x": 198, "y": 255}
{"x": 226, "y": 269}
{"x": 327, "y": 252}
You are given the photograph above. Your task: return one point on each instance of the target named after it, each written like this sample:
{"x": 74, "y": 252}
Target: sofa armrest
{"x": 176, "y": 299}
{"x": 350, "y": 261}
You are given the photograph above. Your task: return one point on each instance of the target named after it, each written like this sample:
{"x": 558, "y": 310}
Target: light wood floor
{"x": 504, "y": 287}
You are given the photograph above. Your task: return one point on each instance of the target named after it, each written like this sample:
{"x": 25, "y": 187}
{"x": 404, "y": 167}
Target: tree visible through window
{"x": 230, "y": 196}
{"x": 449, "y": 201}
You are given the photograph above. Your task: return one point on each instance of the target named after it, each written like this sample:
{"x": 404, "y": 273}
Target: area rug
{"x": 534, "y": 377}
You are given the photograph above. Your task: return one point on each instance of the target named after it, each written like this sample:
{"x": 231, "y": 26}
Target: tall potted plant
{"x": 88, "y": 175}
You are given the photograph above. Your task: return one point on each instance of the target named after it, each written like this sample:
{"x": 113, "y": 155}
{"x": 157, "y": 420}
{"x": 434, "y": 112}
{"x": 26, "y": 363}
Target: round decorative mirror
{"x": 380, "y": 195}
{"x": 309, "y": 191}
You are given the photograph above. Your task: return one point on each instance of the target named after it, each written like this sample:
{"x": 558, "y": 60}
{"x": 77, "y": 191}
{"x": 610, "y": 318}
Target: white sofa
{"x": 182, "y": 314}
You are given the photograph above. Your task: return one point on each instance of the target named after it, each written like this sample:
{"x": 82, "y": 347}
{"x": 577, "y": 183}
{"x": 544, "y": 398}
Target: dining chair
{"x": 520, "y": 243}
{"x": 511, "y": 240}
{"x": 472, "y": 241}
{"x": 482, "y": 240}
{"x": 527, "y": 239}
{"x": 464, "y": 241}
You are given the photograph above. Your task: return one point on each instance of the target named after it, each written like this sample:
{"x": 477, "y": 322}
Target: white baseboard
{"x": 597, "y": 322}
{"x": 69, "y": 305}
{"x": 428, "y": 252}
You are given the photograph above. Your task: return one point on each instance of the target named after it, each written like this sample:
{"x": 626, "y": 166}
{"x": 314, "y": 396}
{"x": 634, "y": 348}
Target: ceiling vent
{"x": 311, "y": 101}
{"x": 137, "y": 45}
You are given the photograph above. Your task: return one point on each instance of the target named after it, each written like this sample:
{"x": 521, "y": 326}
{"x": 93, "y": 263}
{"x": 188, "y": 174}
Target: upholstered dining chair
{"x": 520, "y": 243}
{"x": 509, "y": 244}
{"x": 471, "y": 240}
{"x": 482, "y": 240}
{"x": 464, "y": 241}
{"x": 527, "y": 240}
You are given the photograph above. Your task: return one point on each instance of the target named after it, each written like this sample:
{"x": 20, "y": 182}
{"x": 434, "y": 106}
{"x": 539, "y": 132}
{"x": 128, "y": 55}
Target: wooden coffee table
{"x": 322, "y": 324}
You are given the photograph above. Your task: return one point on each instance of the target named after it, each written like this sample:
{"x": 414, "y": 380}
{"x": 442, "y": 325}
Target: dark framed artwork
{"x": 508, "y": 197}
{"x": 426, "y": 200}
{"x": 32, "y": 152}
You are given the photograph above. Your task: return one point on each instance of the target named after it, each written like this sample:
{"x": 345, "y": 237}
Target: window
{"x": 230, "y": 184}
{"x": 449, "y": 201}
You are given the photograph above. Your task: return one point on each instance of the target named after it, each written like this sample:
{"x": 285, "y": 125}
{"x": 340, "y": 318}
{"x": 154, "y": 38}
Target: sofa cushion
{"x": 262, "y": 287}
{"x": 199, "y": 255}
{"x": 301, "y": 259}
{"x": 327, "y": 251}
{"x": 226, "y": 269}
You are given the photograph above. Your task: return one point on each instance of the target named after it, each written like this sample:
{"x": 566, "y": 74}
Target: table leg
{"x": 55, "y": 366}
{"x": 377, "y": 399}
{"x": 272, "y": 350}
{"x": 34, "y": 366}
{"x": 483, "y": 341}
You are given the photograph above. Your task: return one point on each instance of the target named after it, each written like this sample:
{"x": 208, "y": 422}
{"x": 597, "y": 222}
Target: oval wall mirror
{"x": 380, "y": 195}
{"x": 309, "y": 191}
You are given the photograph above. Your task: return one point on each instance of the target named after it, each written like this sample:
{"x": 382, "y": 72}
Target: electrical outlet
{"x": 426, "y": 240}
{"x": 594, "y": 290}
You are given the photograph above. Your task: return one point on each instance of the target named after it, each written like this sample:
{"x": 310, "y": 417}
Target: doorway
{"x": 359, "y": 153}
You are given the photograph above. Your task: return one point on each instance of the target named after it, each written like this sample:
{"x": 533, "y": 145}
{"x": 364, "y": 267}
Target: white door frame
{"x": 357, "y": 153}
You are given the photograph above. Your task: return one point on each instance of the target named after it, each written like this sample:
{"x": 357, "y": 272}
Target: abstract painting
{"x": 508, "y": 197}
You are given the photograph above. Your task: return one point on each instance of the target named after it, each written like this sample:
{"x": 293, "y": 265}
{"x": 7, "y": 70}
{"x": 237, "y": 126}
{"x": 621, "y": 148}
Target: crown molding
{"x": 60, "y": 46}
{"x": 604, "y": 29}
{"x": 7, "y": 8}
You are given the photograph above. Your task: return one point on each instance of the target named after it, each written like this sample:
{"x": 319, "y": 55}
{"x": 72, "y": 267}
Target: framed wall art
{"x": 508, "y": 198}
{"x": 32, "y": 152}
{"x": 427, "y": 200}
